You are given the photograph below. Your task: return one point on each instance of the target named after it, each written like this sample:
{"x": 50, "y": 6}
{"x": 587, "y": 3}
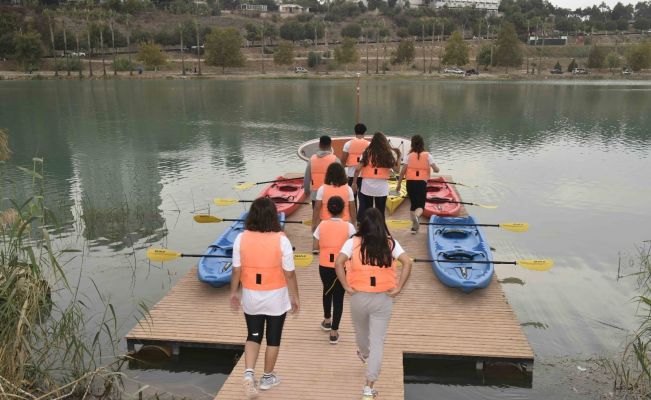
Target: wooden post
{"x": 423, "y": 44}
{"x": 182, "y": 48}
{"x": 357, "y": 101}
{"x": 196, "y": 28}
{"x": 262, "y": 49}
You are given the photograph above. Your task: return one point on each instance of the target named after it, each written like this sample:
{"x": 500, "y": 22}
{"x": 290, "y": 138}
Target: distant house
{"x": 489, "y": 6}
{"x": 253, "y": 7}
{"x": 292, "y": 9}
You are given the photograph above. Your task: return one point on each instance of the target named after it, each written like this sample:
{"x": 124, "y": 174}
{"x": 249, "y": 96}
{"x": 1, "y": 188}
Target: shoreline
{"x": 489, "y": 76}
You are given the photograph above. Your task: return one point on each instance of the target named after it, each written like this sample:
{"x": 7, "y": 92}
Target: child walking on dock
{"x": 371, "y": 282}
{"x": 352, "y": 152}
{"x": 335, "y": 184}
{"x": 329, "y": 236}
{"x": 263, "y": 261}
{"x": 416, "y": 168}
{"x": 375, "y": 167}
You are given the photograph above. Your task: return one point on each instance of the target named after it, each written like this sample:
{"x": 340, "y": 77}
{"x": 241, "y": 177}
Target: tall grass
{"x": 49, "y": 347}
{"x": 632, "y": 372}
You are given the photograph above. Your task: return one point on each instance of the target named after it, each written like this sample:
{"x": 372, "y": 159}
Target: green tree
{"x": 292, "y": 30}
{"x": 596, "y": 57}
{"x": 284, "y": 54}
{"x": 405, "y": 53}
{"x": 484, "y": 56}
{"x": 508, "y": 52}
{"x": 346, "y": 53}
{"x": 28, "y": 50}
{"x": 223, "y": 48}
{"x": 456, "y": 51}
{"x": 612, "y": 60}
{"x": 313, "y": 59}
{"x": 151, "y": 55}
{"x": 253, "y": 32}
{"x": 352, "y": 31}
{"x": 639, "y": 56}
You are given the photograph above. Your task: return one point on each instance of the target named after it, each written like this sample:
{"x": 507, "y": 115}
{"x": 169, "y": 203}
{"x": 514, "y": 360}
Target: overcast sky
{"x": 573, "y": 4}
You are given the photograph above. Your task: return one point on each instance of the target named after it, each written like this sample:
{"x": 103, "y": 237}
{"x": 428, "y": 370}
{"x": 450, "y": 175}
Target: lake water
{"x": 128, "y": 162}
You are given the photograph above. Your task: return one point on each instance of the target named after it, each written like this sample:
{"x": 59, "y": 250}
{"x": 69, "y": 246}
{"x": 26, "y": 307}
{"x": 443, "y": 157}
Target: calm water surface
{"x": 128, "y": 162}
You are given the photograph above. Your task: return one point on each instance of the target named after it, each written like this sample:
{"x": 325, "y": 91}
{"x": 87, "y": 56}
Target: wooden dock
{"x": 428, "y": 319}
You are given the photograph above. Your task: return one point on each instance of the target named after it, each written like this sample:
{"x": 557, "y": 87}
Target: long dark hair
{"x": 376, "y": 241}
{"x": 263, "y": 216}
{"x": 336, "y": 175}
{"x": 379, "y": 153}
{"x": 417, "y": 145}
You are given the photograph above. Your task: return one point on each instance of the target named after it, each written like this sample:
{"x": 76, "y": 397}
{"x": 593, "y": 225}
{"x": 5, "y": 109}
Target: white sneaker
{"x": 267, "y": 382}
{"x": 368, "y": 393}
{"x": 250, "y": 390}
{"x": 415, "y": 225}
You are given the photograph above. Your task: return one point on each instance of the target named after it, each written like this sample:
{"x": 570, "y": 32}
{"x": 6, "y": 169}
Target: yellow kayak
{"x": 393, "y": 201}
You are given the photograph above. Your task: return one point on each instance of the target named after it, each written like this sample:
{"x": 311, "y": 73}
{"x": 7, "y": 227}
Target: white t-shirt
{"x": 267, "y": 302}
{"x": 347, "y": 249}
{"x": 374, "y": 187}
{"x": 351, "y": 195}
{"x": 351, "y": 229}
{"x": 405, "y": 159}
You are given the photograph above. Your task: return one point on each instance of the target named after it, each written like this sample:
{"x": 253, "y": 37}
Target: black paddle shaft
{"x": 464, "y": 261}
{"x": 448, "y": 224}
{"x": 240, "y": 220}
{"x": 443, "y": 200}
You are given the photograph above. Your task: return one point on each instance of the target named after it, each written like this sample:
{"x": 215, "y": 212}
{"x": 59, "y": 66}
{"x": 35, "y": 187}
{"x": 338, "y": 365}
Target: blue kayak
{"x": 216, "y": 271}
{"x": 466, "y": 243}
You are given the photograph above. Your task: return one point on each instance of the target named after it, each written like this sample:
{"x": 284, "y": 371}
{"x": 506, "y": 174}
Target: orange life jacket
{"x": 261, "y": 260}
{"x": 418, "y": 167}
{"x": 332, "y": 236}
{"x": 331, "y": 191}
{"x": 355, "y": 150}
{"x": 369, "y": 278}
{"x": 318, "y": 168}
{"x": 373, "y": 172}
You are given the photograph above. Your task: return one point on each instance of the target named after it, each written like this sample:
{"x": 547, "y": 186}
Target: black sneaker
{"x": 334, "y": 339}
{"x": 326, "y": 326}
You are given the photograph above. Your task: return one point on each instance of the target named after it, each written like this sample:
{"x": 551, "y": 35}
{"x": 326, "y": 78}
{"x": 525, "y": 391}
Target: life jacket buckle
{"x": 373, "y": 281}
{"x": 258, "y": 279}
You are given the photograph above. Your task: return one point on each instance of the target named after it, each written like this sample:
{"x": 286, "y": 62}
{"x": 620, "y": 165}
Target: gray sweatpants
{"x": 371, "y": 313}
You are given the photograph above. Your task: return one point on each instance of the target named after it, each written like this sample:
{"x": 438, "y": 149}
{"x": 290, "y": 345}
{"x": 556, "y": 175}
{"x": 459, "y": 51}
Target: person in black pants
{"x": 329, "y": 236}
{"x": 416, "y": 167}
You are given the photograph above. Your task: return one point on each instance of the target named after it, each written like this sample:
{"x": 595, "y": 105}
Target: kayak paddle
{"x": 208, "y": 219}
{"x": 535, "y": 265}
{"x": 442, "y": 200}
{"x": 249, "y": 185}
{"x": 508, "y": 226}
{"x": 300, "y": 259}
{"x": 230, "y": 201}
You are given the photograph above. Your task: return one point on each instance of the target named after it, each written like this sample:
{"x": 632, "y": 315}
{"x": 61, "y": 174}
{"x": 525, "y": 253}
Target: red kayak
{"x": 438, "y": 191}
{"x": 287, "y": 190}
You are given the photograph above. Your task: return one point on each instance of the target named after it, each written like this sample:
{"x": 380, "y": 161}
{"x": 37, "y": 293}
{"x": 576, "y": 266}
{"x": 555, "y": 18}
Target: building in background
{"x": 490, "y": 6}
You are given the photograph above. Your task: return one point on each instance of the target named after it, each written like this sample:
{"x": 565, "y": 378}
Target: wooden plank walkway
{"x": 428, "y": 319}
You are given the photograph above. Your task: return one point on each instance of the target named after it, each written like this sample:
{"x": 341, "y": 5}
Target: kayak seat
{"x": 287, "y": 188}
{"x": 431, "y": 189}
{"x": 455, "y": 233}
{"x": 437, "y": 200}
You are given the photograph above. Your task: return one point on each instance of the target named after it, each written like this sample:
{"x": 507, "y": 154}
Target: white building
{"x": 490, "y": 6}
{"x": 292, "y": 9}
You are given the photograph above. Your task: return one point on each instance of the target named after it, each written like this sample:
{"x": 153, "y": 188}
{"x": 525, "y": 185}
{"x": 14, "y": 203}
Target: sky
{"x": 573, "y": 4}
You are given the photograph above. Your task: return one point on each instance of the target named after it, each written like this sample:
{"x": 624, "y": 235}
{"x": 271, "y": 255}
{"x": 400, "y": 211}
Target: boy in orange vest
{"x": 329, "y": 236}
{"x": 317, "y": 166}
{"x": 352, "y": 152}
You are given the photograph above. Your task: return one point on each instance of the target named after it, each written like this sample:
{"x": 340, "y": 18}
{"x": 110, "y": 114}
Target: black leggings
{"x": 417, "y": 191}
{"x": 366, "y": 202}
{"x": 350, "y": 183}
{"x": 333, "y": 295}
{"x": 255, "y": 328}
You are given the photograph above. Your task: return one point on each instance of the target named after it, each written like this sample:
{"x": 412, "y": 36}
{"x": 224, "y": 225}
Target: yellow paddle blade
{"x": 302, "y": 259}
{"x": 162, "y": 254}
{"x": 225, "y": 202}
{"x": 206, "y": 219}
{"x": 515, "y": 226}
{"x": 398, "y": 223}
{"x": 244, "y": 185}
{"x": 307, "y": 222}
{"x": 536, "y": 265}
{"x": 485, "y": 206}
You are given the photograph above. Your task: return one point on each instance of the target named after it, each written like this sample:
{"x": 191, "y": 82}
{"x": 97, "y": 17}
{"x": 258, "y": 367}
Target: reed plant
{"x": 632, "y": 371}
{"x": 49, "y": 346}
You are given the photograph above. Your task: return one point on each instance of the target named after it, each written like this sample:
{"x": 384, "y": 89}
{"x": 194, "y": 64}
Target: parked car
{"x": 454, "y": 70}
{"x": 626, "y": 71}
{"x": 472, "y": 71}
{"x": 579, "y": 71}
{"x": 78, "y": 54}
{"x": 300, "y": 70}
{"x": 556, "y": 71}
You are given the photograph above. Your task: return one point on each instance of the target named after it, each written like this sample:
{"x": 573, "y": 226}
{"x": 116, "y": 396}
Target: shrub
{"x": 352, "y": 31}
{"x": 572, "y": 65}
{"x": 122, "y": 64}
{"x": 639, "y": 56}
{"x": 596, "y": 57}
{"x": 72, "y": 63}
{"x": 313, "y": 59}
